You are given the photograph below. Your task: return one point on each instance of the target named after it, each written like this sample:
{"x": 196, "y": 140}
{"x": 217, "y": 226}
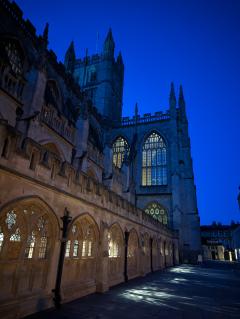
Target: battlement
{"x": 88, "y": 60}
{"x": 146, "y": 118}
{"x": 25, "y": 157}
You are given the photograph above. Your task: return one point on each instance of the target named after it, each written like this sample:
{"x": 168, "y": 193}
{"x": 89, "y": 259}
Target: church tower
{"x": 101, "y": 77}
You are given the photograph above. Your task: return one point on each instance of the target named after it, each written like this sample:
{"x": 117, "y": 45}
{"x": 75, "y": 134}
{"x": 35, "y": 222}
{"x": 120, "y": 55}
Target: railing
{"x": 58, "y": 123}
{"x": 147, "y": 118}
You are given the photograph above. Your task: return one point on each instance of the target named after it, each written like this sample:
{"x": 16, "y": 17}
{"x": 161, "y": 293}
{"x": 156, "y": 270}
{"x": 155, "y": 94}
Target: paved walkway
{"x": 182, "y": 292}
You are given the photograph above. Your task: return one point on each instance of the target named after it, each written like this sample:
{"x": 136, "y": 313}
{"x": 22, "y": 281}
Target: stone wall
{"x": 35, "y": 191}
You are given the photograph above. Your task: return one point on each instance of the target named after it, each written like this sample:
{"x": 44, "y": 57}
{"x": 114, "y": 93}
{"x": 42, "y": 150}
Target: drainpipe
{"x": 66, "y": 219}
{"x": 125, "y": 256}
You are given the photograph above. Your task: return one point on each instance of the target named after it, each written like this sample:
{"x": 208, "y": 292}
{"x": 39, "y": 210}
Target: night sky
{"x": 195, "y": 43}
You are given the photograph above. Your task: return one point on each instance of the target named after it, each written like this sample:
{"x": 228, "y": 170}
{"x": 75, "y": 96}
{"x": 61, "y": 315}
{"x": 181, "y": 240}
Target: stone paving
{"x": 181, "y": 292}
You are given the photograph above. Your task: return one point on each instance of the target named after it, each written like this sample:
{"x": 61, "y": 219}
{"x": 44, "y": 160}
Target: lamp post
{"x": 66, "y": 219}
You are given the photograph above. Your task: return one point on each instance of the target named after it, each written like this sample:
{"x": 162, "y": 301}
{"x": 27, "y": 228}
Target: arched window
{"x": 120, "y": 151}
{"x": 115, "y": 242}
{"x": 27, "y": 236}
{"x": 81, "y": 241}
{"x": 157, "y": 212}
{"x": 14, "y": 56}
{"x": 154, "y": 161}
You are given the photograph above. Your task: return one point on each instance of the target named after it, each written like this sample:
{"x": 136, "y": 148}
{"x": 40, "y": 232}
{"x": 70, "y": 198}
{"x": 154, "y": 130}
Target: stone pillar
{"x": 126, "y": 237}
{"x": 102, "y": 265}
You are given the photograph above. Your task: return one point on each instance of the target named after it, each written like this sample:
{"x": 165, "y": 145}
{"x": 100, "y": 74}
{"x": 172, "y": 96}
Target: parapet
{"x": 23, "y": 156}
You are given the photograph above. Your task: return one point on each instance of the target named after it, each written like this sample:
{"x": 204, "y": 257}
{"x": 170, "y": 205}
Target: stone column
{"x": 102, "y": 265}
{"x": 126, "y": 237}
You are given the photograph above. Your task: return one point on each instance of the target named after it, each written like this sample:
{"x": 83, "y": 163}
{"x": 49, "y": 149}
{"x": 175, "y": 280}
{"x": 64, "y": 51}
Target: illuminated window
{"x": 16, "y": 236}
{"x": 30, "y": 246}
{"x": 75, "y": 248}
{"x": 154, "y": 161}
{"x": 68, "y": 246}
{"x": 113, "y": 249}
{"x": 120, "y": 151}
{"x": 1, "y": 239}
{"x": 42, "y": 248}
{"x": 84, "y": 248}
{"x": 157, "y": 212}
{"x": 89, "y": 249}
{"x": 11, "y": 219}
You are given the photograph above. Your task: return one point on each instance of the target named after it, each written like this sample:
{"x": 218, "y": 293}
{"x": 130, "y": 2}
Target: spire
{"x": 181, "y": 103}
{"x": 136, "y": 110}
{"x": 172, "y": 100}
{"x": 109, "y": 45}
{"x": 45, "y": 33}
{"x": 119, "y": 58}
{"x": 70, "y": 57}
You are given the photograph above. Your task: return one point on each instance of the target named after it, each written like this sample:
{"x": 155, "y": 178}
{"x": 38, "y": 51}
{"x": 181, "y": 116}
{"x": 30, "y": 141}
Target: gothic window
{"x": 30, "y": 246}
{"x": 81, "y": 241}
{"x": 75, "y": 248}
{"x": 27, "y": 236}
{"x": 68, "y": 246}
{"x": 115, "y": 242}
{"x": 14, "y": 57}
{"x": 42, "y": 248}
{"x": 87, "y": 246}
{"x": 16, "y": 236}
{"x": 120, "y": 151}
{"x": 154, "y": 161}
{"x": 132, "y": 257}
{"x": 157, "y": 212}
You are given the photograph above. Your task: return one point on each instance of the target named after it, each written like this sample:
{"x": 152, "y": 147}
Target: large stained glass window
{"x": 157, "y": 212}
{"x": 120, "y": 151}
{"x": 154, "y": 161}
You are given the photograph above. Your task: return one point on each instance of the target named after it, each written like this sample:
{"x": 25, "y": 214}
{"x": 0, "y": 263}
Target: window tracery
{"x": 154, "y": 161}
{"x": 30, "y": 246}
{"x": 12, "y": 67}
{"x": 28, "y": 226}
{"x": 120, "y": 151}
{"x": 115, "y": 242}
{"x": 14, "y": 57}
{"x": 81, "y": 240}
{"x": 157, "y": 212}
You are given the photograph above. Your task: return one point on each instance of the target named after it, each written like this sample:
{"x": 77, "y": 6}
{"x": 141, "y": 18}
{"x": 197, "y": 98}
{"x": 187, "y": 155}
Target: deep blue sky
{"x": 196, "y": 43}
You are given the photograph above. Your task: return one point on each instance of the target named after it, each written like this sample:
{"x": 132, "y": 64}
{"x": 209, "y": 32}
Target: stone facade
{"x": 176, "y": 192}
{"x": 57, "y": 163}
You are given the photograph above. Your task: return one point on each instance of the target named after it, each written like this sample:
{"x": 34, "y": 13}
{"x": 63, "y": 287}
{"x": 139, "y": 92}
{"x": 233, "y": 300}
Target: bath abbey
{"x": 89, "y": 199}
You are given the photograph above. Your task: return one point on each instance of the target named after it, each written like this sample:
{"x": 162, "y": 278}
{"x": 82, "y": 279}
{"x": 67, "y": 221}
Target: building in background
{"x": 152, "y": 150}
{"x": 221, "y": 242}
{"x": 114, "y": 196}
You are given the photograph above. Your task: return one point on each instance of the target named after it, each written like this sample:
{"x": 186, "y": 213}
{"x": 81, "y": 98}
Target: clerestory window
{"x": 154, "y": 161}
